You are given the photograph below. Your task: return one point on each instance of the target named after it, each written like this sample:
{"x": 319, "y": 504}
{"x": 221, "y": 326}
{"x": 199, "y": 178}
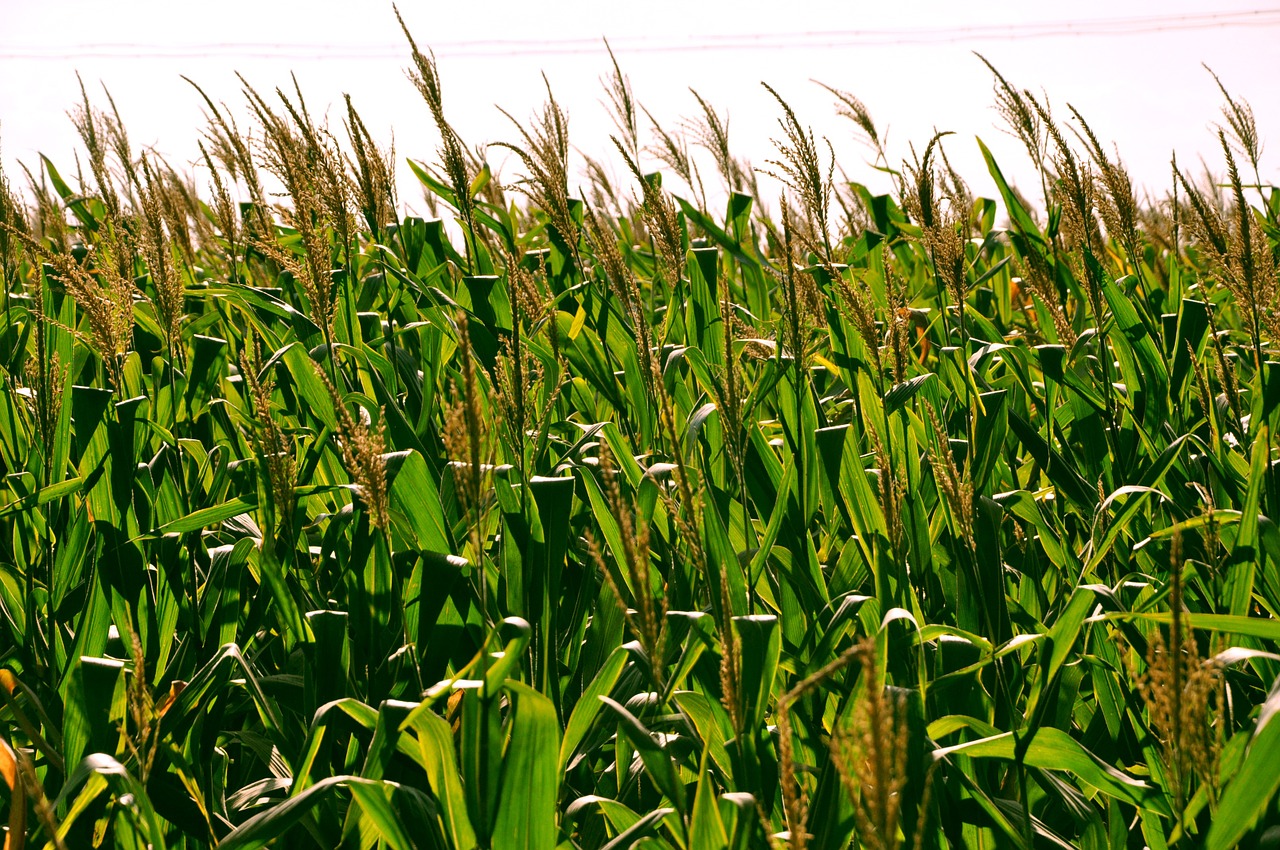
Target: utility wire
{"x": 810, "y": 40}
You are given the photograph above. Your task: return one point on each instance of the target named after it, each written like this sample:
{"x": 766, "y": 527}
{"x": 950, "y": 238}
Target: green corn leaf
{"x": 1251, "y": 790}
{"x": 588, "y": 707}
{"x": 526, "y": 816}
{"x": 1053, "y": 749}
{"x": 438, "y": 759}
{"x": 706, "y": 829}
{"x": 658, "y": 764}
{"x": 273, "y": 824}
{"x": 1245, "y": 556}
{"x": 98, "y": 772}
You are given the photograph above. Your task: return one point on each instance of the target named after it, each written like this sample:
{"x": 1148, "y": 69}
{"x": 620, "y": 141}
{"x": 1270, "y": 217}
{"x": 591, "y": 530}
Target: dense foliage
{"x": 606, "y": 519}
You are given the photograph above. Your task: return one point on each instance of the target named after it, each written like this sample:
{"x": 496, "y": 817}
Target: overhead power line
{"x": 809, "y": 40}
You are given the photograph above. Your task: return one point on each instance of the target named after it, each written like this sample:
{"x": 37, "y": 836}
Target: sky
{"x": 1133, "y": 69}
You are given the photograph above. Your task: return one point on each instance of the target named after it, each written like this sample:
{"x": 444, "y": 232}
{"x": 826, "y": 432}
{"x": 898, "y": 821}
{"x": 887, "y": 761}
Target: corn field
{"x": 612, "y": 516}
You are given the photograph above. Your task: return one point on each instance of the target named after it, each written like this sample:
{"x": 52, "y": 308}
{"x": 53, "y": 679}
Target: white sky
{"x": 910, "y": 63}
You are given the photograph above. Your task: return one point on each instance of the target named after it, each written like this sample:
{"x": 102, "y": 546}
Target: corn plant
{"x": 658, "y": 514}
